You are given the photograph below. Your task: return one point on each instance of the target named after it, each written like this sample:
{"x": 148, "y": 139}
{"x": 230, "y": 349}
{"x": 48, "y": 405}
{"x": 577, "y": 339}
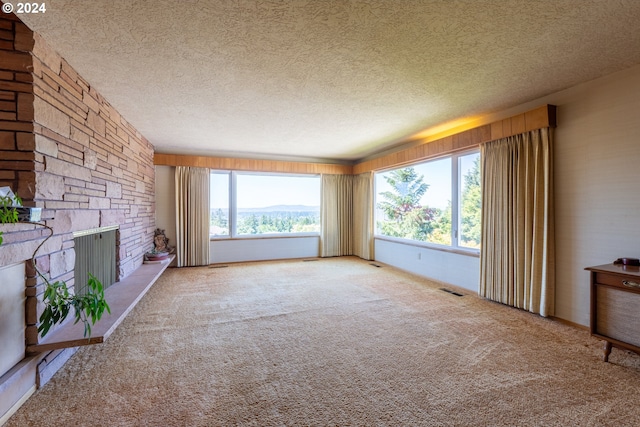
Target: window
{"x": 246, "y": 204}
{"x": 219, "y": 203}
{"x": 470, "y": 201}
{"x": 436, "y": 202}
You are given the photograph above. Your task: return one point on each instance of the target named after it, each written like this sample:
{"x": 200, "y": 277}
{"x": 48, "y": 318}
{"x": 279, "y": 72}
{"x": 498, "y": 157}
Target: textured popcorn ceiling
{"x": 329, "y": 79}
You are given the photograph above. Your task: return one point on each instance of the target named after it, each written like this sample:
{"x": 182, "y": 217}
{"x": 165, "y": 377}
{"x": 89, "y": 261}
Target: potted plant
{"x": 58, "y": 300}
{"x": 8, "y": 212}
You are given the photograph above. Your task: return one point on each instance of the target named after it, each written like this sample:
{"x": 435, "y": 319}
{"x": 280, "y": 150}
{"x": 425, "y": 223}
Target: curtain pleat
{"x": 517, "y": 260}
{"x": 192, "y": 216}
{"x": 336, "y": 216}
{"x": 363, "y": 216}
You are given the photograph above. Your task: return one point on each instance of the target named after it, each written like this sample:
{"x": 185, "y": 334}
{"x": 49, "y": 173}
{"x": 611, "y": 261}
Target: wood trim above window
{"x": 541, "y": 117}
{"x": 254, "y": 165}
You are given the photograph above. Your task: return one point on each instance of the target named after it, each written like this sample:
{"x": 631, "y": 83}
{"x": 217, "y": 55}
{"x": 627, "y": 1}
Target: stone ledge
{"x": 121, "y": 297}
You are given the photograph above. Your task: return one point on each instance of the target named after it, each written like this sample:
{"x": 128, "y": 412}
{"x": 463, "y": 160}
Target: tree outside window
{"x": 470, "y": 202}
{"x": 405, "y": 216}
{"x": 416, "y": 202}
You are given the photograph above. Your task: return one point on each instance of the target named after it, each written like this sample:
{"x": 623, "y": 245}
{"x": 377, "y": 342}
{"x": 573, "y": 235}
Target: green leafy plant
{"x": 57, "y": 298}
{"x": 59, "y": 301}
{"x": 8, "y": 214}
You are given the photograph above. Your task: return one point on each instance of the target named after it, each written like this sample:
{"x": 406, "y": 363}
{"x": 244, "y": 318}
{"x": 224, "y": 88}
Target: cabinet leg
{"x": 607, "y": 351}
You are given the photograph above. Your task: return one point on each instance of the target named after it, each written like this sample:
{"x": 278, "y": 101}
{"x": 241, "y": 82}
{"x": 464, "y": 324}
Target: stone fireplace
{"x": 65, "y": 149}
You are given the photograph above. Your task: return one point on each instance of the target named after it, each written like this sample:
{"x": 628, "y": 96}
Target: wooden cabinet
{"x": 615, "y": 306}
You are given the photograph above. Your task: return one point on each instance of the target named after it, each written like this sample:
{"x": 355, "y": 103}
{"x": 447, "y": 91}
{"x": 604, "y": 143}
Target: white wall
{"x": 261, "y": 249}
{"x": 449, "y": 267}
{"x": 166, "y": 201}
{"x": 597, "y": 174}
{"x": 12, "y": 317}
{"x": 597, "y": 200}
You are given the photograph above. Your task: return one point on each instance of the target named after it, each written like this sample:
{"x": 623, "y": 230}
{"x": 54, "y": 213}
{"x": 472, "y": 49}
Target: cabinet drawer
{"x": 628, "y": 283}
{"x": 618, "y": 314}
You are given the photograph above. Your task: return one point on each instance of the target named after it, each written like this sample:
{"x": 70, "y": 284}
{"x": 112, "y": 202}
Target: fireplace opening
{"x": 96, "y": 255}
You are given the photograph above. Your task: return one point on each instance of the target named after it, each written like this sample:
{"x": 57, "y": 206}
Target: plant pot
{"x": 158, "y": 256}
{"x": 29, "y": 214}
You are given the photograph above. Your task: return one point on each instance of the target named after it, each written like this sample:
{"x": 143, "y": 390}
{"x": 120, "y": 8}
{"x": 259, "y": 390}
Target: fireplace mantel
{"x": 20, "y": 242}
{"x": 95, "y": 231}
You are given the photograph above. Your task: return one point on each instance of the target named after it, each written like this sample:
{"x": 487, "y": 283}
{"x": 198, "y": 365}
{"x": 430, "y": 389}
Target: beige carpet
{"x": 334, "y": 342}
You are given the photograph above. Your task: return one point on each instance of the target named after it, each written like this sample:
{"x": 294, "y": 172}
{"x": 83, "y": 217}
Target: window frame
{"x": 456, "y": 200}
{"x": 233, "y": 206}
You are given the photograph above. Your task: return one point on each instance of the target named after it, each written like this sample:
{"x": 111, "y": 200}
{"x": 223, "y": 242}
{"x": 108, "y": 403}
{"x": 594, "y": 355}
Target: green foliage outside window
{"x": 266, "y": 222}
{"x": 281, "y": 222}
{"x": 219, "y": 223}
{"x": 471, "y": 208}
{"x": 406, "y": 217}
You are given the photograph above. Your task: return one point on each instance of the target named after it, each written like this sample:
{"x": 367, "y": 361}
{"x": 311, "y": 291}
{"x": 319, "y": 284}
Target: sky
{"x": 436, "y": 174}
{"x": 259, "y": 191}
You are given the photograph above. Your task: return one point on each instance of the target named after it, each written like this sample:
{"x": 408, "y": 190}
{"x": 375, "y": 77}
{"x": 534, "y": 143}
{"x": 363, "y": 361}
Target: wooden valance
{"x": 254, "y": 165}
{"x": 541, "y": 117}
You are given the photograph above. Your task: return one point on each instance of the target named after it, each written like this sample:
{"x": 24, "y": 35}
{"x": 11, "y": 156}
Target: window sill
{"x": 263, "y": 236}
{"x": 431, "y": 246}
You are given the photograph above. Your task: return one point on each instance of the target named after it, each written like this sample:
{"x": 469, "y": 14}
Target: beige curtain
{"x": 192, "y": 216}
{"x": 336, "y": 215}
{"x": 363, "y": 215}
{"x": 517, "y": 263}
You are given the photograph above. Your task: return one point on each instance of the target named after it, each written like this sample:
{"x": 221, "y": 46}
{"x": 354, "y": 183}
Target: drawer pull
{"x": 630, "y": 284}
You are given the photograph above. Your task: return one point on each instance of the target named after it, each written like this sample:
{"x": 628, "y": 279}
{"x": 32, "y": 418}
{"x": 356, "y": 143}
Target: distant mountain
{"x": 281, "y": 208}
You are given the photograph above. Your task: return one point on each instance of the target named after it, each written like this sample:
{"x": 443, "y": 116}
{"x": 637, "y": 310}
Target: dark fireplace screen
{"x": 95, "y": 254}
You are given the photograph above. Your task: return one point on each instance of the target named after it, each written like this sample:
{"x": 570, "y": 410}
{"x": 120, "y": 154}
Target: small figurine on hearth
{"x": 161, "y": 242}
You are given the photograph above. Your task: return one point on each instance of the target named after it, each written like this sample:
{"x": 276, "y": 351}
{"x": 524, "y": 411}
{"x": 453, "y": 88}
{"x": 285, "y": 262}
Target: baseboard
{"x": 4, "y": 418}
{"x": 569, "y": 323}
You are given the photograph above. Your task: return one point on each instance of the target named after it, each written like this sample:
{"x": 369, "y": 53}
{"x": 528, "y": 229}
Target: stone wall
{"x": 65, "y": 149}
{"x": 17, "y": 167}
{"x": 94, "y": 168}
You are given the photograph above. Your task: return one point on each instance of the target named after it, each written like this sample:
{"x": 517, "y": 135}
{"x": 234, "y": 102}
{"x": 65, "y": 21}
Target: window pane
{"x": 415, "y": 202}
{"x": 268, "y": 204}
{"x": 219, "y": 202}
{"x": 470, "y": 201}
